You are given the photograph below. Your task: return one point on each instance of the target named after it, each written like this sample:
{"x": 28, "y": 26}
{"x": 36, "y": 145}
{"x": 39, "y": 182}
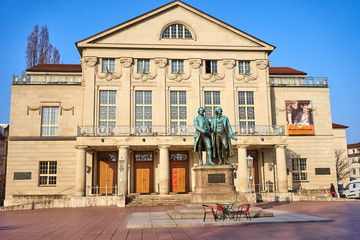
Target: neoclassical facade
{"x": 122, "y": 120}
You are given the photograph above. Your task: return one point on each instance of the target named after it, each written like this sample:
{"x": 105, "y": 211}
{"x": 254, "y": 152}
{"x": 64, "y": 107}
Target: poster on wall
{"x": 299, "y": 117}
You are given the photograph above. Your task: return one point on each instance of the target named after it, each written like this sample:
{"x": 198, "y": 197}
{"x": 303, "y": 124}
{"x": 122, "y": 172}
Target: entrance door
{"x": 107, "y": 178}
{"x": 179, "y": 172}
{"x": 253, "y": 154}
{"x": 144, "y": 165}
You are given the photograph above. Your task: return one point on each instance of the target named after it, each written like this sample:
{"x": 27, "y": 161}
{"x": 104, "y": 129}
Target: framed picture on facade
{"x": 299, "y": 117}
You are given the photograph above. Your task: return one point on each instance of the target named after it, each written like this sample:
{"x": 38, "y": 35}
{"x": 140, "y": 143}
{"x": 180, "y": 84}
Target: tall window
{"x": 176, "y": 31}
{"x": 211, "y": 100}
{"x": 178, "y": 113}
{"x": 177, "y": 66}
{"x": 244, "y": 67}
{"x": 108, "y": 65}
{"x": 143, "y": 66}
{"x": 299, "y": 169}
{"x": 143, "y": 108}
{"x": 47, "y": 173}
{"x": 50, "y": 121}
{"x": 108, "y": 109}
{"x": 210, "y": 66}
{"x": 246, "y": 111}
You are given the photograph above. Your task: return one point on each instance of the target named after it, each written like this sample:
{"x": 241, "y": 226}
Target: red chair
{"x": 243, "y": 209}
{"x": 209, "y": 209}
{"x": 220, "y": 212}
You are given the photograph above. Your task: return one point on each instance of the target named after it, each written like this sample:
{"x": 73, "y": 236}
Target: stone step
{"x": 154, "y": 200}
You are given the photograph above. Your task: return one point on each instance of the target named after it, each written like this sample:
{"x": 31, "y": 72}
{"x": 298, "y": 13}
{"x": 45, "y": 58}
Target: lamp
{"x": 250, "y": 161}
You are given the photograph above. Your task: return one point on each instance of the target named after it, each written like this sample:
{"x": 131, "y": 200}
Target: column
{"x": 89, "y": 170}
{"x": 164, "y": 169}
{"x": 242, "y": 173}
{"x": 80, "y": 171}
{"x": 281, "y": 168}
{"x": 123, "y": 173}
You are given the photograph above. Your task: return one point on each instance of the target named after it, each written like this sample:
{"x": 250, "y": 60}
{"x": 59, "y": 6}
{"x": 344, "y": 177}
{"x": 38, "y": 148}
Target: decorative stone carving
{"x": 145, "y": 76}
{"x": 178, "y": 77}
{"x": 67, "y": 109}
{"x": 262, "y": 64}
{"x": 195, "y": 63}
{"x": 212, "y": 77}
{"x": 33, "y": 109}
{"x": 90, "y": 61}
{"x": 247, "y": 77}
{"x": 108, "y": 76}
{"x": 229, "y": 63}
{"x": 160, "y": 62}
{"x": 126, "y": 62}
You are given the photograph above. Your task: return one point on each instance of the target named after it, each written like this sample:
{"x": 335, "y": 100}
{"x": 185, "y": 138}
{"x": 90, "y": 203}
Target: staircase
{"x": 154, "y": 200}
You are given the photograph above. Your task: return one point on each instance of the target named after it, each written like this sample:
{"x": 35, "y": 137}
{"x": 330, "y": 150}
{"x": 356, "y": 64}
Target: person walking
{"x": 332, "y": 190}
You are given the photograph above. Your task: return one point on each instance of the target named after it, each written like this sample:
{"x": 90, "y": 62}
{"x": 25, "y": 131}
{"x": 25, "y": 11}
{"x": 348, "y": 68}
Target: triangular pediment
{"x": 145, "y": 30}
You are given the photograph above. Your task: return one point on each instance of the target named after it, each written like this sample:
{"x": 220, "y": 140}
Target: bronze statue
{"x": 222, "y": 148}
{"x": 202, "y": 137}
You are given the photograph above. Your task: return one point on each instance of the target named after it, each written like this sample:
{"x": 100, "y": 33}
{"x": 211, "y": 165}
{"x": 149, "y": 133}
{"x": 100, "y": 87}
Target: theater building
{"x": 122, "y": 120}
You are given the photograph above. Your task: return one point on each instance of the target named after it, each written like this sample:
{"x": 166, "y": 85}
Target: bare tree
{"x": 39, "y": 49}
{"x": 342, "y": 165}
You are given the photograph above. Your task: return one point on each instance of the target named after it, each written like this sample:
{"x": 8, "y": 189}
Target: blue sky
{"x": 318, "y": 37}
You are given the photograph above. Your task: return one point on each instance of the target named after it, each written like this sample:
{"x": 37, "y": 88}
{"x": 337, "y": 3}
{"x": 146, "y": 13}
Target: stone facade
{"x": 122, "y": 120}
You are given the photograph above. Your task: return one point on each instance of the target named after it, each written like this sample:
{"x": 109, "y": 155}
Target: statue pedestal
{"x": 214, "y": 184}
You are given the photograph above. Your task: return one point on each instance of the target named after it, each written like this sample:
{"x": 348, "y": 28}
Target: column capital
{"x": 122, "y": 147}
{"x": 164, "y": 146}
{"x": 280, "y": 145}
{"x": 81, "y": 147}
{"x": 242, "y": 146}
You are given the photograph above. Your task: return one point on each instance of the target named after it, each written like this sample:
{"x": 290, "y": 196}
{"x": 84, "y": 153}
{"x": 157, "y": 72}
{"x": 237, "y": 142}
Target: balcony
{"x": 126, "y": 131}
{"x": 47, "y": 79}
{"x": 298, "y": 82}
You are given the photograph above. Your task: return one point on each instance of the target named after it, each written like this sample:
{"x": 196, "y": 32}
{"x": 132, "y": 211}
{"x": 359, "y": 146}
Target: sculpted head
{"x": 218, "y": 110}
{"x": 201, "y": 110}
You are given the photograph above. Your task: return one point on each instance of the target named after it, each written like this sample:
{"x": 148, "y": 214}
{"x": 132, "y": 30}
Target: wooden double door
{"x": 179, "y": 172}
{"x": 144, "y": 168}
{"x": 107, "y": 177}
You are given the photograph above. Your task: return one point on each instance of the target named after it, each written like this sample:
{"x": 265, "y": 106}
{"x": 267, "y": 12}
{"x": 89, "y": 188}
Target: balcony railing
{"x": 125, "y": 131}
{"x": 298, "y": 82}
{"x": 46, "y": 80}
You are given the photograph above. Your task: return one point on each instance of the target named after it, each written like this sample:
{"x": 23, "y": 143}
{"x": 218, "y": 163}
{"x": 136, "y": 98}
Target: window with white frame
{"x": 143, "y": 108}
{"x": 299, "y": 169}
{"x": 210, "y": 66}
{"x": 108, "y": 65}
{"x": 107, "y": 109}
{"x": 177, "y": 66}
{"x": 47, "y": 173}
{"x": 50, "y": 121}
{"x": 176, "y": 31}
{"x": 246, "y": 111}
{"x": 178, "y": 114}
{"x": 143, "y": 66}
{"x": 211, "y": 101}
{"x": 244, "y": 67}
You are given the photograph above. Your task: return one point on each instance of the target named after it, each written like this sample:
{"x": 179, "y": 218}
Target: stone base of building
{"x": 37, "y": 202}
{"x": 214, "y": 184}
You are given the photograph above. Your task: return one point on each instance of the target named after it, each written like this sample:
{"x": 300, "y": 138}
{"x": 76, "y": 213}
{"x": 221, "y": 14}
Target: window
{"x": 178, "y": 114}
{"x": 47, "y": 173}
{"x": 244, "y": 67}
{"x": 177, "y": 66}
{"x": 108, "y": 65}
{"x": 143, "y": 108}
{"x": 354, "y": 171}
{"x": 210, "y": 66}
{"x": 353, "y": 160}
{"x": 246, "y": 111}
{"x": 176, "y": 31}
{"x": 299, "y": 169}
{"x": 211, "y": 100}
{"x": 108, "y": 109}
{"x": 50, "y": 121}
{"x": 143, "y": 66}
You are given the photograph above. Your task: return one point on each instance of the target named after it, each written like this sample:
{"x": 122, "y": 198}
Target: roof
{"x": 55, "y": 68}
{"x": 285, "y": 71}
{"x": 334, "y": 125}
{"x": 353, "y": 145}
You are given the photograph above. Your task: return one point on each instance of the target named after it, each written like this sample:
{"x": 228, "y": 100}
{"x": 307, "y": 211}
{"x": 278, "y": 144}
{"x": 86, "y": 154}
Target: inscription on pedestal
{"x": 216, "y": 178}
